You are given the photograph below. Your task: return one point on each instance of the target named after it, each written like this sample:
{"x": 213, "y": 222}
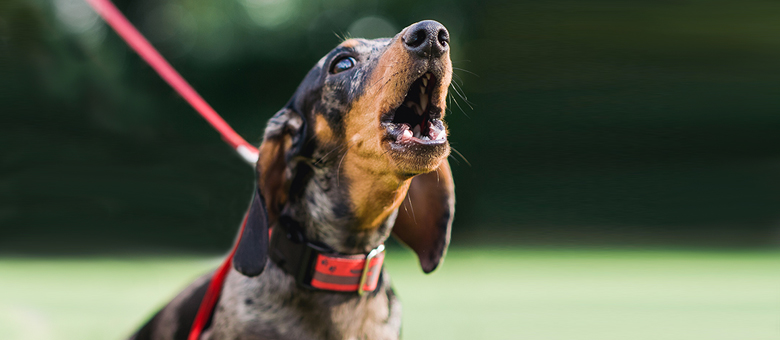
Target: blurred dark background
{"x": 594, "y": 123}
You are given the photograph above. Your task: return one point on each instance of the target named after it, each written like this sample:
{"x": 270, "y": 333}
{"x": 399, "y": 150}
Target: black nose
{"x": 427, "y": 39}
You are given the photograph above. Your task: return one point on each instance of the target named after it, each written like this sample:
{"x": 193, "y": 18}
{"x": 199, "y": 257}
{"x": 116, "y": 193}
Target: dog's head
{"x": 369, "y": 116}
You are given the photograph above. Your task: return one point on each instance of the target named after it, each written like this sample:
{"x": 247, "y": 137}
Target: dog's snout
{"x": 427, "y": 39}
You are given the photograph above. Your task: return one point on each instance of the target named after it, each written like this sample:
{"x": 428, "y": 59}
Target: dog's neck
{"x": 347, "y": 208}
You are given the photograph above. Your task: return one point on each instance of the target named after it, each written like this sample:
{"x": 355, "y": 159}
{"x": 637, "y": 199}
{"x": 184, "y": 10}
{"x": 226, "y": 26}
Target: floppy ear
{"x": 425, "y": 223}
{"x": 282, "y": 142}
{"x": 252, "y": 250}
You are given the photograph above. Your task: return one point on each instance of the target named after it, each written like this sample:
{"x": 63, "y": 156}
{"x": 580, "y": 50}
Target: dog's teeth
{"x": 440, "y": 134}
{"x": 417, "y": 131}
{"x": 414, "y": 106}
{"x": 428, "y": 76}
{"x": 424, "y": 101}
{"x": 407, "y": 133}
{"x": 425, "y": 81}
{"x": 435, "y": 132}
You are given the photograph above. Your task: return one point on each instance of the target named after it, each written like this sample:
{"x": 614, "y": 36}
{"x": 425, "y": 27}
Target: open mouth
{"x": 417, "y": 120}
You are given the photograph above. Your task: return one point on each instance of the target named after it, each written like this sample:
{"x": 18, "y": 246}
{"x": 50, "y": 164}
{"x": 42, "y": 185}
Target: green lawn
{"x": 477, "y": 294}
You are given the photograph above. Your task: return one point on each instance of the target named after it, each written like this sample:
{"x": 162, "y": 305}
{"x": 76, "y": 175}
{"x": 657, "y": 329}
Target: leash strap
{"x": 209, "y": 301}
{"x": 140, "y": 45}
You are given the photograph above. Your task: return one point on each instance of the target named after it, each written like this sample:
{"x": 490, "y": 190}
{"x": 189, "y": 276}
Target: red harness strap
{"x": 212, "y": 293}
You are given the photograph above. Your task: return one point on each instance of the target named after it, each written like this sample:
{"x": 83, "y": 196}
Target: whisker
{"x": 466, "y": 100}
{"x": 384, "y": 153}
{"x": 370, "y": 87}
{"x": 464, "y": 70}
{"x": 388, "y": 80}
{"x": 414, "y": 218}
{"x": 461, "y": 92}
{"x": 338, "y": 168}
{"x": 462, "y": 95}
{"x": 458, "y": 105}
{"x": 457, "y": 162}
{"x": 328, "y": 153}
{"x": 461, "y": 155}
{"x": 458, "y": 78}
{"x": 376, "y": 82}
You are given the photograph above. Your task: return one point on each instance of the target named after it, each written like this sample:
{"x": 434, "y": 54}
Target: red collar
{"x": 316, "y": 266}
{"x": 349, "y": 273}
{"x": 313, "y": 266}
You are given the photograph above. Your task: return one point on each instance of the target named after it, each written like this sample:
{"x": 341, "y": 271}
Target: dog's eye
{"x": 343, "y": 64}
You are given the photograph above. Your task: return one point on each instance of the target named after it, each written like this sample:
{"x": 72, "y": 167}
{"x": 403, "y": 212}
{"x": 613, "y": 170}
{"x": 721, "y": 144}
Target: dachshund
{"x": 359, "y": 152}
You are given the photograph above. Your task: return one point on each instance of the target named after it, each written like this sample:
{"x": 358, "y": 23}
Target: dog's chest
{"x": 270, "y": 306}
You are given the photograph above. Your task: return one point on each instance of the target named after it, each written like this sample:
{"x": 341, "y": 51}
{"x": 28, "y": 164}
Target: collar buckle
{"x": 372, "y": 254}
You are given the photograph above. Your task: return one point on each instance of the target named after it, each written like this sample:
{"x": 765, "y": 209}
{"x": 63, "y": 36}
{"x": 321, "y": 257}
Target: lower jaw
{"x": 418, "y": 158}
{"x": 413, "y": 141}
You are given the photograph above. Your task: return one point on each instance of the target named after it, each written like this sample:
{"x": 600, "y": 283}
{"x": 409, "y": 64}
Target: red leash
{"x": 130, "y": 34}
{"x": 212, "y": 293}
{"x": 137, "y": 42}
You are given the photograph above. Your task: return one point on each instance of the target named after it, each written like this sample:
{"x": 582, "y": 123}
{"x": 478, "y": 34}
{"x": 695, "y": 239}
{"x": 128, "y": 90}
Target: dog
{"x": 359, "y": 152}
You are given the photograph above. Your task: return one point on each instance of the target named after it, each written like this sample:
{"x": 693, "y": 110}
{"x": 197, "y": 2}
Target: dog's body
{"x": 271, "y": 306}
{"x": 362, "y": 136}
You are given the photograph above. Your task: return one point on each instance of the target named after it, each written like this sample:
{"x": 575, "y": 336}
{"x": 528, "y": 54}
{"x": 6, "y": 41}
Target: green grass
{"x": 477, "y": 294}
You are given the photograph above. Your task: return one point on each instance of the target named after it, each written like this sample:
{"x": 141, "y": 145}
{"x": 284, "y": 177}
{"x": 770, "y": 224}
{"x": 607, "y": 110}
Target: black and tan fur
{"x": 333, "y": 161}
